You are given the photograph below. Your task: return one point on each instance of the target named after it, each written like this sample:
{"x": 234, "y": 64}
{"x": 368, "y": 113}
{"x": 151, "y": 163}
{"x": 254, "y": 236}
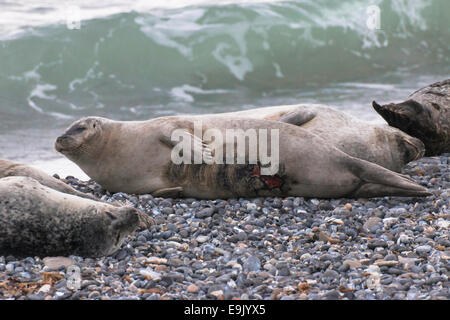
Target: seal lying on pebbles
{"x": 9, "y": 168}
{"x": 386, "y": 146}
{"x": 37, "y": 220}
{"x": 136, "y": 157}
{"x": 425, "y": 115}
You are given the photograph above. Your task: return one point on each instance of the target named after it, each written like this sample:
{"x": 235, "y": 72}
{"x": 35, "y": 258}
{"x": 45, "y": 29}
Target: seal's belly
{"x": 227, "y": 180}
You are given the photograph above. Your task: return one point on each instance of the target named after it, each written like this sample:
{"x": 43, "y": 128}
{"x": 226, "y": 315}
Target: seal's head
{"x": 124, "y": 221}
{"x": 410, "y": 148}
{"x": 403, "y": 147}
{"x": 416, "y": 119}
{"x": 80, "y": 137}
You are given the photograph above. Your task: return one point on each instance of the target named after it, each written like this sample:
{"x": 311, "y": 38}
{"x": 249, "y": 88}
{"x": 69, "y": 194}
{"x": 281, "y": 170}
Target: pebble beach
{"x": 263, "y": 248}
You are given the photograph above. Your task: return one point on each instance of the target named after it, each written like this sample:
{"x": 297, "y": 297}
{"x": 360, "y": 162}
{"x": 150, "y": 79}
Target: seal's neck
{"x": 103, "y": 149}
{"x": 5, "y": 165}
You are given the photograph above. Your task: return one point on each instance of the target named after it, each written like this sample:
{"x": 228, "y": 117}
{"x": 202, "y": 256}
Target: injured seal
{"x": 136, "y": 157}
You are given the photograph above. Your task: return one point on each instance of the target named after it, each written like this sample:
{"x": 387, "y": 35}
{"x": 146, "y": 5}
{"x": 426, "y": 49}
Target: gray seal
{"x": 386, "y": 146}
{"x": 136, "y": 157}
{"x": 424, "y": 115}
{"x": 10, "y": 168}
{"x": 39, "y": 221}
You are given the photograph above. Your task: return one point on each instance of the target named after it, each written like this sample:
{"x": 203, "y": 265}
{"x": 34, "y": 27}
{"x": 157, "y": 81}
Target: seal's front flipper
{"x": 168, "y": 193}
{"x": 200, "y": 151}
{"x": 145, "y": 221}
{"x": 298, "y": 117}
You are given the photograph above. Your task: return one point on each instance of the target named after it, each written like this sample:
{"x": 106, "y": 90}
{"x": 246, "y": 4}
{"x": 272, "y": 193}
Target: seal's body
{"x": 380, "y": 144}
{"x": 424, "y": 115}
{"x": 38, "y": 221}
{"x": 136, "y": 157}
{"x": 9, "y": 169}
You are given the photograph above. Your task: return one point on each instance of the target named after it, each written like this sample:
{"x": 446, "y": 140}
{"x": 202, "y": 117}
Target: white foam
{"x": 61, "y": 166}
{"x": 181, "y": 93}
{"x": 90, "y": 74}
{"x": 20, "y": 16}
{"x": 278, "y": 73}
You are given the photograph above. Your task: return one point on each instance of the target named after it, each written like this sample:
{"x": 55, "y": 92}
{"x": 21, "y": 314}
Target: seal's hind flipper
{"x": 168, "y": 193}
{"x": 415, "y": 119}
{"x": 402, "y": 115}
{"x": 377, "y": 181}
{"x": 298, "y": 117}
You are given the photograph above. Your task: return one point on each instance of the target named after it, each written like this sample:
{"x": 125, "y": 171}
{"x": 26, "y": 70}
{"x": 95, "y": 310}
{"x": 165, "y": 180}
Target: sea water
{"x": 62, "y": 60}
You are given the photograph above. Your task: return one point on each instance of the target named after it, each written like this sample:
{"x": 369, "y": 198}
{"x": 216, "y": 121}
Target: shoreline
{"x": 267, "y": 248}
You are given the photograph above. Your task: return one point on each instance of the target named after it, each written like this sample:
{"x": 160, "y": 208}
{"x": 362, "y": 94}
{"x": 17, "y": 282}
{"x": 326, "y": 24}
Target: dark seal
{"x": 424, "y": 115}
{"x": 36, "y": 220}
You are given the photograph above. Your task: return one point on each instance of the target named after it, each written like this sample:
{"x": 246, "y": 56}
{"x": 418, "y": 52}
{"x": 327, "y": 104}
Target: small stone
{"x": 45, "y": 289}
{"x": 305, "y": 256}
{"x": 204, "y": 213}
{"x": 354, "y": 264}
{"x": 54, "y": 263}
{"x": 371, "y": 222}
{"x": 33, "y": 296}
{"x": 374, "y": 243}
{"x": 202, "y": 239}
{"x": 443, "y": 223}
{"x": 241, "y": 236}
{"x": 382, "y": 263}
{"x": 192, "y": 288}
{"x": 184, "y": 233}
{"x": 167, "y": 210}
{"x": 348, "y": 206}
{"x": 407, "y": 262}
{"x": 283, "y": 271}
{"x": 325, "y": 238}
{"x": 156, "y": 260}
{"x": 335, "y": 221}
{"x": 388, "y": 222}
{"x": 330, "y": 274}
{"x": 252, "y": 264}
{"x": 150, "y": 273}
{"x": 218, "y": 293}
{"x": 93, "y": 294}
{"x": 62, "y": 294}
{"x": 122, "y": 254}
{"x": 423, "y": 250}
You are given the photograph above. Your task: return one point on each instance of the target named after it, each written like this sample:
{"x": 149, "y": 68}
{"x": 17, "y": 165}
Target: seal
{"x": 424, "y": 115}
{"x": 386, "y": 146}
{"x": 137, "y": 157}
{"x": 9, "y": 168}
{"x": 36, "y": 220}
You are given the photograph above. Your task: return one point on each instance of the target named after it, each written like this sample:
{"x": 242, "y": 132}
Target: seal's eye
{"x": 75, "y": 130}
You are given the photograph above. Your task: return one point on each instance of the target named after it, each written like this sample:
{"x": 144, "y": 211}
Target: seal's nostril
{"x": 61, "y": 139}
